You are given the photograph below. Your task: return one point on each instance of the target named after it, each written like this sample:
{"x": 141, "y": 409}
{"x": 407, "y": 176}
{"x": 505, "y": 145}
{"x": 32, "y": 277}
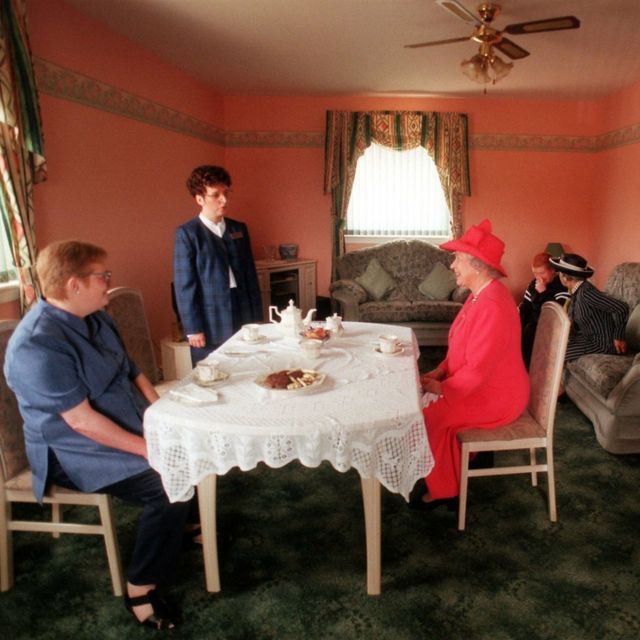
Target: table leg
{"x": 371, "y": 499}
{"x": 207, "y": 505}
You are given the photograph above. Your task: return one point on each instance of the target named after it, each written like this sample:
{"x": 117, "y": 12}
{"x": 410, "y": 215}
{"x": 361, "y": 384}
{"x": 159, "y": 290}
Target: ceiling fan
{"x": 486, "y": 66}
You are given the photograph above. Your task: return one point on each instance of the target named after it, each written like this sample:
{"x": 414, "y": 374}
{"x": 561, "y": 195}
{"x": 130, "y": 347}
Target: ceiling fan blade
{"x": 550, "y": 24}
{"x": 460, "y": 11}
{"x": 435, "y": 42}
{"x": 511, "y": 49}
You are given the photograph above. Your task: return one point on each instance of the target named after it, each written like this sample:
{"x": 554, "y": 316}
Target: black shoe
{"x": 162, "y": 618}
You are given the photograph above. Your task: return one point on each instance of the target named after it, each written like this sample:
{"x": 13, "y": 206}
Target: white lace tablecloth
{"x": 366, "y": 415}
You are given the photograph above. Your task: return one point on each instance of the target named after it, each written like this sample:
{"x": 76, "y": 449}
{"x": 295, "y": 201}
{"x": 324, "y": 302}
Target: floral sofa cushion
{"x": 600, "y": 371}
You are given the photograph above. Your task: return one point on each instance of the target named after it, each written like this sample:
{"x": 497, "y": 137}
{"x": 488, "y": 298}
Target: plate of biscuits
{"x": 316, "y": 333}
{"x": 291, "y": 380}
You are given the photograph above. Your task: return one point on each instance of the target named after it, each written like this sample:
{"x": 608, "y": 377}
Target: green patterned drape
{"x": 22, "y": 162}
{"x": 349, "y": 133}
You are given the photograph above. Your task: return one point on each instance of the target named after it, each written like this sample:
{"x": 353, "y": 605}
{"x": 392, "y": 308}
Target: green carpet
{"x": 292, "y": 563}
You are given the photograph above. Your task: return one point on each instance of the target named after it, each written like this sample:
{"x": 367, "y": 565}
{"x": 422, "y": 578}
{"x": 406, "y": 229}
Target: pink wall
{"x": 615, "y": 227}
{"x": 119, "y": 181}
{"x": 114, "y": 180}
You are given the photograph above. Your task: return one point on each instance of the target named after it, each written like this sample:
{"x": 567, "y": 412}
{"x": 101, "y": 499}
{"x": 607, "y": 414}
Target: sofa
{"x": 403, "y": 282}
{"x": 606, "y": 388}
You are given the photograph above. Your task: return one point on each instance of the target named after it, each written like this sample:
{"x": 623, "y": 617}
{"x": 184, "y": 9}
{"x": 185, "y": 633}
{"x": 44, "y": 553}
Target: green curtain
{"x": 22, "y": 162}
{"x": 349, "y": 133}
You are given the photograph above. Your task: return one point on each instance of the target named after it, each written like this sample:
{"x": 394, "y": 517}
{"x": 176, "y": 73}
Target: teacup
{"x": 311, "y": 348}
{"x": 251, "y": 332}
{"x": 388, "y": 343}
{"x": 207, "y": 370}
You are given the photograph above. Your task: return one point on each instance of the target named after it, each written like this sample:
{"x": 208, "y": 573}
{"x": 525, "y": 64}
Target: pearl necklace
{"x": 474, "y": 297}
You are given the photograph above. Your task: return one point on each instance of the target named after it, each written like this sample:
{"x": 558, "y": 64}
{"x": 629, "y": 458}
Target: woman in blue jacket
{"x": 82, "y": 400}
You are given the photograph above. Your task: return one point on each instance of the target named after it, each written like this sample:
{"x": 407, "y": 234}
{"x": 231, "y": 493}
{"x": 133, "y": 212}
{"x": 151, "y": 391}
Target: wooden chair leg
{"x": 551, "y": 480}
{"x": 464, "y": 481}
{"x": 111, "y": 546}
{"x": 6, "y": 546}
{"x": 56, "y": 516}
{"x": 532, "y": 461}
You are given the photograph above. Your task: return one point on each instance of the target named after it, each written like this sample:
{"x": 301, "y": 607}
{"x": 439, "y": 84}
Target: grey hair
{"x": 479, "y": 265}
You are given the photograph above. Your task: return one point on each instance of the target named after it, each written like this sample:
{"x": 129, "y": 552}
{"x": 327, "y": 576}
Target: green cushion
{"x": 439, "y": 284}
{"x": 633, "y": 330}
{"x": 376, "y": 281}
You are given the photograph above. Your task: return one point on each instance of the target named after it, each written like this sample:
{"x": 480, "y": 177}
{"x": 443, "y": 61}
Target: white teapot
{"x": 291, "y": 324}
{"x": 334, "y": 324}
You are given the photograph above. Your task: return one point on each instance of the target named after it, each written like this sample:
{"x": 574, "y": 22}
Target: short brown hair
{"x": 206, "y": 176}
{"x": 59, "y": 261}
{"x": 542, "y": 260}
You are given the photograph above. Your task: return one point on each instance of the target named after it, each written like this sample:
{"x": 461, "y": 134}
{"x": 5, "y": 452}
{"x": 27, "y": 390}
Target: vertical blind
{"x": 8, "y": 272}
{"x": 397, "y": 193}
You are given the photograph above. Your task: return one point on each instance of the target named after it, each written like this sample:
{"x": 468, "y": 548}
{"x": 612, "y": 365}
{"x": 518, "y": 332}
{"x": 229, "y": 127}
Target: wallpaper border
{"x": 67, "y": 84}
{"x": 61, "y": 82}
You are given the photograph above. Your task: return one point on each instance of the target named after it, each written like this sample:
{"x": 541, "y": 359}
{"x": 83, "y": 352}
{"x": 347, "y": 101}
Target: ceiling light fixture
{"x": 486, "y": 67}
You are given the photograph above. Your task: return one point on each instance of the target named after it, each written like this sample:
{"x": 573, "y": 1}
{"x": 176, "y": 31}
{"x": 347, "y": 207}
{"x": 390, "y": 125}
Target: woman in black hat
{"x": 597, "y": 320}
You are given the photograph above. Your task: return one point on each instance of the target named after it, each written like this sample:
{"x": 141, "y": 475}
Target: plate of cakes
{"x": 291, "y": 380}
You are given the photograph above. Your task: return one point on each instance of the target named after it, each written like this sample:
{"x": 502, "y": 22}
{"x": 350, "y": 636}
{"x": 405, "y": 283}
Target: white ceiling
{"x": 307, "y": 47}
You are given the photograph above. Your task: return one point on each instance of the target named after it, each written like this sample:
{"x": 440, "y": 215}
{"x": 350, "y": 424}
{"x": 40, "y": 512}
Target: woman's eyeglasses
{"x": 216, "y": 195}
{"x": 105, "y": 275}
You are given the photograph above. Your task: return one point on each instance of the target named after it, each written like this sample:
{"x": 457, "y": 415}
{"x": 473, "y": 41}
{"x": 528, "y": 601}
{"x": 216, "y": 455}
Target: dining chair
{"x": 534, "y": 428}
{"x": 126, "y": 307}
{"x": 15, "y": 487}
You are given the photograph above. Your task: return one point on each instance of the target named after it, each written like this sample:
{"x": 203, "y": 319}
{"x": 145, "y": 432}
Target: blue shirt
{"x": 54, "y": 361}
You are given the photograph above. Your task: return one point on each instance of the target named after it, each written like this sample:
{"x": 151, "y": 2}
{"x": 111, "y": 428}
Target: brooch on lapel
{"x": 236, "y": 235}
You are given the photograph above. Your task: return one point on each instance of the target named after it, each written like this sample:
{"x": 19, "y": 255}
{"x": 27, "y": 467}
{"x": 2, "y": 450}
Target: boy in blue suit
{"x": 215, "y": 279}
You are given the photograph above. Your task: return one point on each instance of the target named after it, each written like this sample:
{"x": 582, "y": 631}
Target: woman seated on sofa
{"x": 482, "y": 382}
{"x": 598, "y": 321}
{"x": 82, "y": 401}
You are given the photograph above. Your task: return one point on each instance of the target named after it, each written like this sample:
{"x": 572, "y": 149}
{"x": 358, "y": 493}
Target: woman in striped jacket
{"x": 597, "y": 320}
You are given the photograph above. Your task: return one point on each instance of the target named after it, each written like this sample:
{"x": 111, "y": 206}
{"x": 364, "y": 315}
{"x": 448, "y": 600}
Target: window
{"x": 8, "y": 272}
{"x": 397, "y": 193}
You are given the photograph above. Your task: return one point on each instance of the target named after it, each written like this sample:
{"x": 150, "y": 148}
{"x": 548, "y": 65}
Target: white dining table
{"x": 366, "y": 414}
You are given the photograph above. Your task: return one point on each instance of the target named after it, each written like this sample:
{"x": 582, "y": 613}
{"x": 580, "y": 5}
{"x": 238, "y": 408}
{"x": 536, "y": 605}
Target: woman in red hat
{"x": 482, "y": 382}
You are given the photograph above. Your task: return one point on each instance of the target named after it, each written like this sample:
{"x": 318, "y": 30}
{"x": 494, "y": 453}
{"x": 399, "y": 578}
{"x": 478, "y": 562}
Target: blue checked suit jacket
{"x": 201, "y": 263}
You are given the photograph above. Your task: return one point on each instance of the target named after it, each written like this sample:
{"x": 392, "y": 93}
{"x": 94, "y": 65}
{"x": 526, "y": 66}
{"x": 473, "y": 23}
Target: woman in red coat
{"x": 482, "y": 382}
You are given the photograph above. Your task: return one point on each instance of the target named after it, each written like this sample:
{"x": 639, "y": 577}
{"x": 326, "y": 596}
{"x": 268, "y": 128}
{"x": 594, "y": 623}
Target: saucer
{"x": 397, "y": 352}
{"x": 220, "y": 377}
{"x": 258, "y": 340}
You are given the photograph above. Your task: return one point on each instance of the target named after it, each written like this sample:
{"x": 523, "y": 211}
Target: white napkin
{"x": 193, "y": 394}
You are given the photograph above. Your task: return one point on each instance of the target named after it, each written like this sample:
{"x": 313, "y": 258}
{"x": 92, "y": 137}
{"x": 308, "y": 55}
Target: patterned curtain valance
{"x": 22, "y": 162}
{"x": 349, "y": 133}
